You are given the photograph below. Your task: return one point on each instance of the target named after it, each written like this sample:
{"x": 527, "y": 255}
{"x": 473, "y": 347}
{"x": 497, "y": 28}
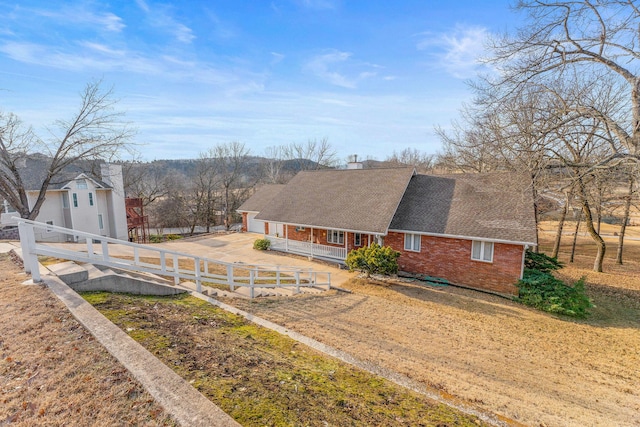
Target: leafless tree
{"x": 229, "y": 160}
{"x": 95, "y": 131}
{"x": 423, "y": 162}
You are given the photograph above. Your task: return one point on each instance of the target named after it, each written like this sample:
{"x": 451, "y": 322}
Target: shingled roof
{"x": 261, "y": 198}
{"x": 363, "y": 200}
{"x": 496, "y": 206}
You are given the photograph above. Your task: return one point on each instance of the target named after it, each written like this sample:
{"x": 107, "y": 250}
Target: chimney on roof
{"x": 354, "y": 163}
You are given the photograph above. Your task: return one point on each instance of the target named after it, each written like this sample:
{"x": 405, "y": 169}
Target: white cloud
{"x": 276, "y": 57}
{"x": 161, "y": 18}
{"x": 317, "y": 4}
{"x": 335, "y": 66}
{"x": 458, "y": 51}
{"x": 76, "y": 15}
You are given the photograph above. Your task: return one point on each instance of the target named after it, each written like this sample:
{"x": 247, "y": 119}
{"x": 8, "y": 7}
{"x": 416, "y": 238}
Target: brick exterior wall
{"x": 245, "y": 222}
{"x": 451, "y": 259}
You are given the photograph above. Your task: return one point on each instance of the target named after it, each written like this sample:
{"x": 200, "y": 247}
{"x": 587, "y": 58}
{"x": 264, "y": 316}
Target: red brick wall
{"x": 301, "y": 236}
{"x": 244, "y": 222}
{"x": 451, "y": 259}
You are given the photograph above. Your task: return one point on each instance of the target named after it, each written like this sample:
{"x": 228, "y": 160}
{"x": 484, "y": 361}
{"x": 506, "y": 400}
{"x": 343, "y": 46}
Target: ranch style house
{"x": 469, "y": 229}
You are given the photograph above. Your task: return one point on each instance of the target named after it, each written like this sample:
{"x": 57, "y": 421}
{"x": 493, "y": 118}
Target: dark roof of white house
{"x": 261, "y": 198}
{"x": 33, "y": 171}
{"x": 363, "y": 200}
{"x": 496, "y": 206}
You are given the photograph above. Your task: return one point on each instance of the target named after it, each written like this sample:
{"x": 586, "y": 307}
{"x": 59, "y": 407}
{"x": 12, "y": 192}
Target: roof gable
{"x": 354, "y": 199}
{"x": 497, "y": 206}
{"x": 261, "y": 198}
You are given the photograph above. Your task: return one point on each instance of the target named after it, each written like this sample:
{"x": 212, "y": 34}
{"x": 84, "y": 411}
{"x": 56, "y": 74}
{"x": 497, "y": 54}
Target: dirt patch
{"x": 508, "y": 359}
{"x": 260, "y": 377}
{"x": 52, "y": 371}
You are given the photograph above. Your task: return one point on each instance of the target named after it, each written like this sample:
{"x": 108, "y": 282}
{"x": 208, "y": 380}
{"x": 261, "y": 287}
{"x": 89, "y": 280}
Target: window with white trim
{"x": 412, "y": 242}
{"x": 90, "y": 199}
{"x": 335, "y": 237}
{"x": 482, "y": 251}
{"x": 49, "y": 230}
{"x": 75, "y": 200}
{"x": 100, "y": 222}
{"x": 65, "y": 200}
{"x": 357, "y": 239}
{"x": 81, "y": 184}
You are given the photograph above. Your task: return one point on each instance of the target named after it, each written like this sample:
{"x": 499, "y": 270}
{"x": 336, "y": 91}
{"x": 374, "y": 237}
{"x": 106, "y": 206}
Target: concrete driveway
{"x": 238, "y": 247}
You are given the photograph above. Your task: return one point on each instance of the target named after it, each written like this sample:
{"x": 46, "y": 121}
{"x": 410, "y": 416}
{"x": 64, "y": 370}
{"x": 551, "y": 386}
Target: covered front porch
{"x": 329, "y": 244}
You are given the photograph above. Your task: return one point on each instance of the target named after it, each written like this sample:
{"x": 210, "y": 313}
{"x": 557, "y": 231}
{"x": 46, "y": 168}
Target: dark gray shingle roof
{"x": 493, "y": 206}
{"x": 357, "y": 199}
{"x": 261, "y": 198}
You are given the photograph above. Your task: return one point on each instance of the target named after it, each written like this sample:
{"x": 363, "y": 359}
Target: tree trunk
{"x": 563, "y": 217}
{"x": 597, "y": 263}
{"x": 575, "y": 236}
{"x": 625, "y": 219}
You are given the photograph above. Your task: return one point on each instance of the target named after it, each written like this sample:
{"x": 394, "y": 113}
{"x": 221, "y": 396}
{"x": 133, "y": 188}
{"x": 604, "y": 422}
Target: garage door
{"x": 254, "y": 225}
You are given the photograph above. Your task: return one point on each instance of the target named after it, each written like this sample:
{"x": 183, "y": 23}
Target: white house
{"x": 83, "y": 203}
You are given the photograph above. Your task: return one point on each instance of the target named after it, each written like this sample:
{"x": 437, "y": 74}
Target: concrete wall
{"x": 451, "y": 259}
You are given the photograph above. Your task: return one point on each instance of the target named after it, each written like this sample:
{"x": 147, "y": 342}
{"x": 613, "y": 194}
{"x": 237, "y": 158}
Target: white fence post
{"x": 176, "y": 272}
{"x": 29, "y": 255}
{"x": 105, "y": 250}
{"x": 297, "y": 282}
{"x": 230, "y": 277}
{"x": 251, "y": 282}
{"x": 196, "y": 263}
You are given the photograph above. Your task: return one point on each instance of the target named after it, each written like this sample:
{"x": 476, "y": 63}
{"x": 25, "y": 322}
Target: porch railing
{"x": 163, "y": 262}
{"x": 307, "y": 248}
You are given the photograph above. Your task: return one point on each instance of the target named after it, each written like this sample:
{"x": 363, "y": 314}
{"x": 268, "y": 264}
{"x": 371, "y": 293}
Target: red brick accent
{"x": 244, "y": 222}
{"x": 451, "y": 259}
{"x": 320, "y": 237}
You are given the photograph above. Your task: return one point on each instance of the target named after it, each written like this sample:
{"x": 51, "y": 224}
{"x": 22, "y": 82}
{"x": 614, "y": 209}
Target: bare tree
{"x": 147, "y": 181}
{"x": 314, "y": 154}
{"x": 229, "y": 159}
{"x": 423, "y": 162}
{"x": 96, "y": 131}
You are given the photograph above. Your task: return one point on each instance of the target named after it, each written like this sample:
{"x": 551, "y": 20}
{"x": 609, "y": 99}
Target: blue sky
{"x": 371, "y": 76}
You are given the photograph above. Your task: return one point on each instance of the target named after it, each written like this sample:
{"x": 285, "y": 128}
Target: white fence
{"x": 307, "y": 248}
{"x": 180, "y": 266}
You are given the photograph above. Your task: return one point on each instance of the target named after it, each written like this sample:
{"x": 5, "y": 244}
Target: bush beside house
{"x": 373, "y": 259}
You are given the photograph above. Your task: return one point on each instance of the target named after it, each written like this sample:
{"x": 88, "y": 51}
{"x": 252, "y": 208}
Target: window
{"x": 90, "y": 199}
{"x": 81, "y": 184}
{"x": 49, "y": 230}
{"x": 65, "y": 200}
{"x": 75, "y": 200}
{"x": 357, "y": 239}
{"x": 100, "y": 223}
{"x": 482, "y": 251}
{"x": 412, "y": 242}
{"x": 335, "y": 236}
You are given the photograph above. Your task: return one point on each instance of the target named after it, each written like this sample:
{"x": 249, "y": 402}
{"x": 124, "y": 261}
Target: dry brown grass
{"x": 53, "y": 372}
{"x": 529, "y": 366}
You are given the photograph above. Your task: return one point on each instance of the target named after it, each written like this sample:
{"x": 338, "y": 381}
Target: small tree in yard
{"x": 374, "y": 259}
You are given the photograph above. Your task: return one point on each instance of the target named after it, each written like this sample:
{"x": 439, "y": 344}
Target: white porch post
{"x": 346, "y": 243}
{"x": 311, "y": 242}
{"x": 286, "y": 238}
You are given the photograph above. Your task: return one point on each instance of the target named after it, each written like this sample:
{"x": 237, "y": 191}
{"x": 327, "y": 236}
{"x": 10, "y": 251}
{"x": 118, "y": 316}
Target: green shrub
{"x": 156, "y": 238}
{"x": 541, "y": 262}
{"x": 373, "y": 259}
{"x": 540, "y": 289}
{"x": 173, "y": 237}
{"x": 262, "y": 244}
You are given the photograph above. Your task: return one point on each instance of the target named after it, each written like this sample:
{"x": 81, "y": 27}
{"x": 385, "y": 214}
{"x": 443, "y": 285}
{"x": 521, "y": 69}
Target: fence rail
{"x": 178, "y": 265}
{"x": 308, "y": 248}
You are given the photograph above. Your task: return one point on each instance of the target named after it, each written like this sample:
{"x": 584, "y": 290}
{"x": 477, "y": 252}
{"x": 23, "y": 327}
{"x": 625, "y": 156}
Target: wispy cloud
{"x": 330, "y": 68}
{"x": 317, "y": 4}
{"x": 457, "y": 52}
{"x": 161, "y": 17}
{"x": 79, "y": 15}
